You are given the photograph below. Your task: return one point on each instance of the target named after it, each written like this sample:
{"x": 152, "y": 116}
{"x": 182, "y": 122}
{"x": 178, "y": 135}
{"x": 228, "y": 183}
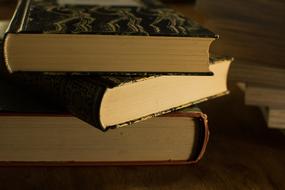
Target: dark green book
{"x": 130, "y": 37}
{"x": 114, "y": 101}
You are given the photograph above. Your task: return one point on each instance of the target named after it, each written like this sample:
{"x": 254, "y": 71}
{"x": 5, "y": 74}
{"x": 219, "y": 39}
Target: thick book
{"x": 61, "y": 139}
{"x": 113, "y": 101}
{"x": 36, "y": 132}
{"x": 105, "y": 36}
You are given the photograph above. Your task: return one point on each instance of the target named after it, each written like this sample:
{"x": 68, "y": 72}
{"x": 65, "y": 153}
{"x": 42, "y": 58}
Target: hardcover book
{"x": 114, "y": 101}
{"x": 98, "y": 36}
{"x": 33, "y": 133}
{"x": 179, "y": 137}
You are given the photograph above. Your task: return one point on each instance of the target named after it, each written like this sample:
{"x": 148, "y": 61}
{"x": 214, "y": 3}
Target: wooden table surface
{"x": 242, "y": 152}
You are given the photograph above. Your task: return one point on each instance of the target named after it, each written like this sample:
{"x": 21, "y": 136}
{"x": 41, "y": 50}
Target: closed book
{"x": 36, "y": 132}
{"x": 114, "y": 101}
{"x": 61, "y": 139}
{"x": 105, "y": 36}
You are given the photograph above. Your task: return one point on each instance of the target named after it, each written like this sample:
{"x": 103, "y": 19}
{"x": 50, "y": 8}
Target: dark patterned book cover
{"x": 129, "y": 17}
{"x": 18, "y": 102}
{"x": 82, "y": 95}
{"x": 145, "y": 37}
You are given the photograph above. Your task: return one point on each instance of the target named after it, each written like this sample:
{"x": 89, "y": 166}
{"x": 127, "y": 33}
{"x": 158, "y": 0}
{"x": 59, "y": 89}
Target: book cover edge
{"x": 201, "y": 142}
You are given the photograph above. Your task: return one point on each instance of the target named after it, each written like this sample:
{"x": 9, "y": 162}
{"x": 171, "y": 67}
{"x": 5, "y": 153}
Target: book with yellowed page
{"x": 175, "y": 138}
{"x": 116, "y": 101}
{"x": 109, "y": 101}
{"x": 33, "y": 131}
{"x": 126, "y": 36}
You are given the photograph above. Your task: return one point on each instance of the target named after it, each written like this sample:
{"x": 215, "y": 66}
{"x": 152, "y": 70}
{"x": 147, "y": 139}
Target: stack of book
{"x": 106, "y": 83}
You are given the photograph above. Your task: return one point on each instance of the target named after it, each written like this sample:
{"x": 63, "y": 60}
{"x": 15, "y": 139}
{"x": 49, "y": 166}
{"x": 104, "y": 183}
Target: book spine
{"x": 79, "y": 96}
{"x": 201, "y": 144}
{"x": 202, "y": 131}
